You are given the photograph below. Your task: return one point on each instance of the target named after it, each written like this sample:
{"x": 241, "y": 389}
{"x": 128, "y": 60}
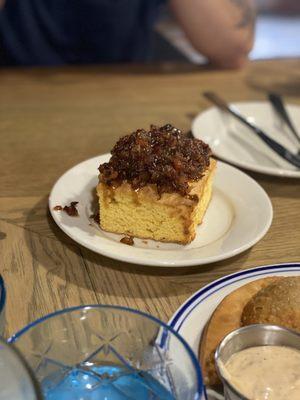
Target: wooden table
{"x": 54, "y": 118}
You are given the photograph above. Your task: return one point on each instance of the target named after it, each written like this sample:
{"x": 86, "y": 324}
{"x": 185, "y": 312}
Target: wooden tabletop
{"x": 52, "y": 119}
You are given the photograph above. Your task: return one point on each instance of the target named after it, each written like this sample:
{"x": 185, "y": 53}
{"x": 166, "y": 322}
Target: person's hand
{"x": 221, "y": 30}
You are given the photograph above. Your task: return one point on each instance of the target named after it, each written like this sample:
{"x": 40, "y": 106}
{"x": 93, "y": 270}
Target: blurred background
{"x": 277, "y": 34}
{"x": 50, "y": 32}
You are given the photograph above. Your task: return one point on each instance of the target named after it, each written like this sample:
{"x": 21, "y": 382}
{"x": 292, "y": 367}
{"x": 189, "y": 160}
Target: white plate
{"x": 239, "y": 215}
{"x": 190, "y": 319}
{"x": 234, "y": 142}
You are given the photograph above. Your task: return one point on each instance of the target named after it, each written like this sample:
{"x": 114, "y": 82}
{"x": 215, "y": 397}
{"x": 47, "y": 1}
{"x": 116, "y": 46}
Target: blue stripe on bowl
{"x": 196, "y": 299}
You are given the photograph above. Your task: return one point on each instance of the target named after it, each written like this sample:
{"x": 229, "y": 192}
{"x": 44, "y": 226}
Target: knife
{"x": 275, "y": 146}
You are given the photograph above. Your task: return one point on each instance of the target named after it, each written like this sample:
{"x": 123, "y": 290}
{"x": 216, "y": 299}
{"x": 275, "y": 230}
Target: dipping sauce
{"x": 265, "y": 372}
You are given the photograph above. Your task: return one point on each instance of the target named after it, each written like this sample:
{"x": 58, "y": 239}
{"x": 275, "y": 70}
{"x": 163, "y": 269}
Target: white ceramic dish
{"x": 239, "y": 215}
{"x": 233, "y": 142}
{"x": 190, "y": 319}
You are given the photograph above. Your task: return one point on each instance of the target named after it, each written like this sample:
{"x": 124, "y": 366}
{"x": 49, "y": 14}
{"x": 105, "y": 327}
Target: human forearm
{"x": 222, "y": 30}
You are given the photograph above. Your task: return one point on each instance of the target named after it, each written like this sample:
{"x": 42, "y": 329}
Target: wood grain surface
{"x": 51, "y": 119}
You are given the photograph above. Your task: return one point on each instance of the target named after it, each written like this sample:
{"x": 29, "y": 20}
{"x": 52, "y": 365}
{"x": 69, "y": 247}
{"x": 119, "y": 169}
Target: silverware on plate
{"x": 280, "y": 109}
{"x": 283, "y": 152}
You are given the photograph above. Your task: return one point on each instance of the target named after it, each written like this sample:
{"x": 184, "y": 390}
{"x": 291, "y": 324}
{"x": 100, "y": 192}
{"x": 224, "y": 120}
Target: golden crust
{"x": 144, "y": 213}
{"x": 277, "y": 304}
{"x": 225, "y": 319}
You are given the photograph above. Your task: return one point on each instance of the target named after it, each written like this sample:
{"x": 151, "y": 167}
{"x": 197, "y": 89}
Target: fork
{"x": 281, "y": 111}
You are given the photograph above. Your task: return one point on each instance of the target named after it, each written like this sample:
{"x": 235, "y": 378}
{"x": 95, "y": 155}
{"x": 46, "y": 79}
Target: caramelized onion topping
{"x": 127, "y": 240}
{"x": 71, "y": 210}
{"x": 161, "y": 156}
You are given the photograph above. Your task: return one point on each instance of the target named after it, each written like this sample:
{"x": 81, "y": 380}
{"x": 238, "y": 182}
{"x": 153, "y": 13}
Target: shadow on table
{"x": 72, "y": 75}
{"x": 279, "y": 186}
{"x": 174, "y": 281}
{"x": 283, "y": 78}
{"x": 276, "y": 185}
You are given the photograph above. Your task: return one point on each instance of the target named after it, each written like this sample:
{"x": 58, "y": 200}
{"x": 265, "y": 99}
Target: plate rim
{"x": 176, "y": 317}
{"x": 164, "y": 263}
{"x": 280, "y": 172}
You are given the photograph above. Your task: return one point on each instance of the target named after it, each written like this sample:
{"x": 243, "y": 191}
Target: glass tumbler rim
{"x": 200, "y": 387}
{"x": 2, "y": 294}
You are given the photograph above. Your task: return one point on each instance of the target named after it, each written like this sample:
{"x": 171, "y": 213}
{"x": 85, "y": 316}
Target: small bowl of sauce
{"x": 260, "y": 362}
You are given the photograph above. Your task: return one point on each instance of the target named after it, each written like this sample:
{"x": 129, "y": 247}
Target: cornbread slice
{"x": 143, "y": 213}
{"x": 159, "y": 202}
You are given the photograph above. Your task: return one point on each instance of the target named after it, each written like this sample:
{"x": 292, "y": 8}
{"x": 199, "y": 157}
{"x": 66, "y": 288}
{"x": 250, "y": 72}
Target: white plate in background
{"x": 234, "y": 142}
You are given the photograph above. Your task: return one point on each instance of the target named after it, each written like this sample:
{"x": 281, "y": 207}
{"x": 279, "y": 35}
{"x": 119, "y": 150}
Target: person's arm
{"x": 1, "y": 3}
{"x": 221, "y": 30}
